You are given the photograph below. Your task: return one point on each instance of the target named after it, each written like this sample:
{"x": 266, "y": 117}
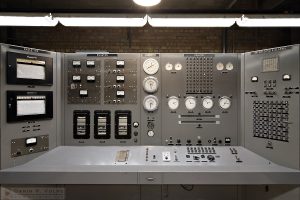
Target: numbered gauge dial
{"x": 173, "y": 103}
{"x": 150, "y": 84}
{"x": 169, "y": 66}
{"x": 150, "y": 103}
{"x": 150, "y": 66}
{"x": 220, "y": 66}
{"x": 190, "y": 103}
{"x": 178, "y": 67}
{"x": 225, "y": 102}
{"x": 207, "y": 103}
{"x": 229, "y": 66}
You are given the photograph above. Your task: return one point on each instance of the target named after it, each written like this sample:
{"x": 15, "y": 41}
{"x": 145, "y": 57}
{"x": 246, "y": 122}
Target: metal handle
{"x": 150, "y": 179}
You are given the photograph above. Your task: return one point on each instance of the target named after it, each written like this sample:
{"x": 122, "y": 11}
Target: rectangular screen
{"x": 24, "y": 69}
{"x": 31, "y": 69}
{"x": 31, "y": 107}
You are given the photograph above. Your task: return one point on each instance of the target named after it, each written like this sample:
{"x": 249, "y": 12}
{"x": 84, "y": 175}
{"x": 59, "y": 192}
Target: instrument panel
{"x": 168, "y": 99}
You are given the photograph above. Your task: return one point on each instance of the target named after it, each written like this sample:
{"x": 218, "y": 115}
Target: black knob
{"x": 210, "y": 158}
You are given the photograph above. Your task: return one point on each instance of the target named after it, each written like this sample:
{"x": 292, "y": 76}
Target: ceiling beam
{"x": 231, "y": 4}
{"x": 271, "y": 4}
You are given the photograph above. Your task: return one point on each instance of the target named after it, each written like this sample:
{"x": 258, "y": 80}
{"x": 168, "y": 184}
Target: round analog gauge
{"x": 150, "y": 103}
{"x": 150, "y": 84}
{"x": 225, "y": 102}
{"x": 207, "y": 102}
{"x": 178, "y": 67}
{"x": 150, "y": 66}
{"x": 169, "y": 66}
{"x": 173, "y": 102}
{"x": 190, "y": 103}
{"x": 229, "y": 66}
{"x": 220, "y": 66}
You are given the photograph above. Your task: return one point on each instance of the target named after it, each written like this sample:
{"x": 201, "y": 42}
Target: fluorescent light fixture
{"x": 269, "y": 21}
{"x": 147, "y": 3}
{"x": 27, "y": 20}
{"x": 191, "y": 21}
{"x": 103, "y": 20}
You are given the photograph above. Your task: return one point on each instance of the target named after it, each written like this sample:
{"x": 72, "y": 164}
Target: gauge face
{"x": 190, "y": 103}
{"x": 150, "y": 66}
{"x": 150, "y": 103}
{"x": 207, "y": 102}
{"x": 173, "y": 102}
{"x": 169, "y": 66}
{"x": 225, "y": 102}
{"x": 178, "y": 67}
{"x": 229, "y": 66}
{"x": 150, "y": 84}
{"x": 220, "y": 66}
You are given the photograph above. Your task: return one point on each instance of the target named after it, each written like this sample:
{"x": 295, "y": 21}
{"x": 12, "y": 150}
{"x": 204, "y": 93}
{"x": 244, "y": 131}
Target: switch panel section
{"x": 102, "y": 124}
{"x": 271, "y": 103}
{"x": 120, "y": 80}
{"x": 81, "y": 124}
{"x": 83, "y": 75}
{"x": 123, "y": 124}
{"x": 29, "y": 145}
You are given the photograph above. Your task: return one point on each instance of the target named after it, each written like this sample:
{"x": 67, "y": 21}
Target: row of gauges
{"x": 151, "y": 66}
{"x": 151, "y": 103}
{"x": 191, "y": 102}
{"x": 228, "y": 66}
{"x": 150, "y": 84}
{"x": 177, "y": 67}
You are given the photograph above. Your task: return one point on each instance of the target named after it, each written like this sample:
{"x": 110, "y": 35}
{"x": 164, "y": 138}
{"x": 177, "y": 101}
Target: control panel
{"x": 199, "y": 100}
{"x": 30, "y": 115}
{"x": 271, "y": 101}
{"x": 154, "y": 99}
{"x": 102, "y": 99}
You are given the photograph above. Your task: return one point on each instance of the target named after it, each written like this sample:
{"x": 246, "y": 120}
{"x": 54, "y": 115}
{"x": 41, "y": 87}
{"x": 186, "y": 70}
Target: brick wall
{"x": 149, "y": 39}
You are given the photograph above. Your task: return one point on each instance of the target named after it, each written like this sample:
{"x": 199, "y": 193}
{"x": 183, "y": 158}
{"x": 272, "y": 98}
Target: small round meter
{"x": 173, "y": 103}
{"x": 150, "y": 103}
{"x": 190, "y": 103}
{"x": 225, "y": 102}
{"x": 207, "y": 102}
{"x": 150, "y": 84}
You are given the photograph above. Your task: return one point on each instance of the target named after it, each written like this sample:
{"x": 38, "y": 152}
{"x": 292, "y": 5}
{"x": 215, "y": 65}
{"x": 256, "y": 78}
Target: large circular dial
{"x": 207, "y": 102}
{"x": 150, "y": 103}
{"x": 150, "y": 66}
{"x": 190, "y": 102}
{"x": 150, "y": 84}
{"x": 225, "y": 102}
{"x": 173, "y": 102}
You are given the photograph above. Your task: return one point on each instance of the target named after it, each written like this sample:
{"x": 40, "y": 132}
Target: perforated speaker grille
{"x": 199, "y": 75}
